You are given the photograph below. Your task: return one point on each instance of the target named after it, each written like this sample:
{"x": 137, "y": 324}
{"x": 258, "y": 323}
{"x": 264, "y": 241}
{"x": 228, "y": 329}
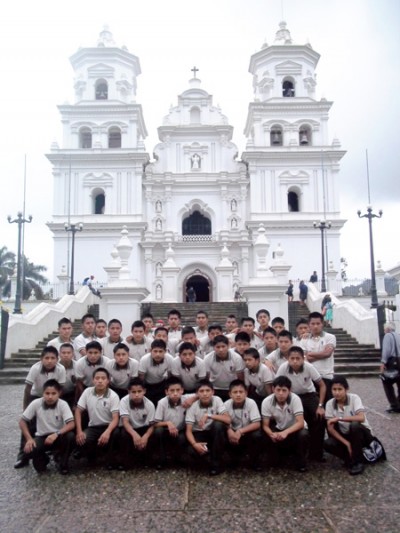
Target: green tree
{"x": 7, "y": 265}
{"x": 32, "y": 279}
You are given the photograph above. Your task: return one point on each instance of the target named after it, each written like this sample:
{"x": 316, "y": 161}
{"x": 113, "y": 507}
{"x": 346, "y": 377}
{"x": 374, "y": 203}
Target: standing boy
{"x": 247, "y": 324}
{"x": 188, "y": 367}
{"x": 283, "y": 424}
{"x": 206, "y": 343}
{"x": 68, "y": 362}
{"x": 201, "y": 328}
{"x": 137, "y": 342}
{"x": 122, "y": 369}
{"x": 263, "y": 317}
{"x": 102, "y": 407}
{"x": 64, "y": 333}
{"x": 276, "y": 358}
{"x": 86, "y": 366}
{"x": 88, "y": 326}
{"x": 257, "y": 377}
{"x": 270, "y": 339}
{"x": 54, "y": 428}
{"x": 114, "y": 337}
{"x": 154, "y": 368}
{"x": 206, "y": 424}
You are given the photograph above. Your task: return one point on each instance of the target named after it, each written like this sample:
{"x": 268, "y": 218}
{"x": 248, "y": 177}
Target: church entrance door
{"x": 201, "y": 286}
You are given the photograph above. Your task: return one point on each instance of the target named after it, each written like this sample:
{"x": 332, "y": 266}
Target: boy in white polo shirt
{"x": 244, "y": 435}
{"x": 54, "y": 428}
{"x": 206, "y": 425}
{"x": 64, "y": 333}
{"x": 206, "y": 343}
{"x": 169, "y": 428}
{"x": 257, "y": 377}
{"x": 88, "y": 322}
{"x": 319, "y": 348}
{"x": 283, "y": 424}
{"x": 137, "y": 417}
{"x": 86, "y": 365}
{"x": 102, "y": 406}
{"x": 112, "y": 339}
{"x": 68, "y": 362}
{"x": 122, "y": 369}
{"x": 279, "y": 356}
{"x": 189, "y": 368}
{"x": 270, "y": 340}
{"x": 137, "y": 342}
{"x": 305, "y": 378}
{"x": 154, "y": 369}
{"x": 223, "y": 365}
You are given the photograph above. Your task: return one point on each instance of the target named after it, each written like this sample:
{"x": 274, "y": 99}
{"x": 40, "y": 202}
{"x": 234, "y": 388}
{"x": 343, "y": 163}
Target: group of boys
{"x": 217, "y": 393}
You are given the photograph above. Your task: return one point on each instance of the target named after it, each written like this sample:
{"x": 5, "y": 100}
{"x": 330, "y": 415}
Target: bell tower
{"x": 293, "y": 165}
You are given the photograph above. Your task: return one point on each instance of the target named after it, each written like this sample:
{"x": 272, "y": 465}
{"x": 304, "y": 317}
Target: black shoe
{"x": 121, "y": 468}
{"x": 40, "y": 463}
{"x": 21, "y": 463}
{"x": 215, "y": 471}
{"x": 356, "y": 468}
{"x": 257, "y": 468}
{"x": 302, "y": 468}
{"x": 160, "y": 466}
{"x": 64, "y": 470}
{"x": 110, "y": 467}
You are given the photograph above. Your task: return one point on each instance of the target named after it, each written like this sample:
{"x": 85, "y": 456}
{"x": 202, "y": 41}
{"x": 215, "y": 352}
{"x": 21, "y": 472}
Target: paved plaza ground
{"x": 325, "y": 499}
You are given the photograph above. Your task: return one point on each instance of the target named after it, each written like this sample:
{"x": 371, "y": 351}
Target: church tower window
{"x": 99, "y": 202}
{"x": 85, "y": 138}
{"x": 293, "y": 201}
{"x": 101, "y": 90}
{"x": 195, "y": 115}
{"x": 276, "y": 136}
{"x": 304, "y": 135}
{"x": 288, "y": 88}
{"x": 114, "y": 138}
{"x": 196, "y": 224}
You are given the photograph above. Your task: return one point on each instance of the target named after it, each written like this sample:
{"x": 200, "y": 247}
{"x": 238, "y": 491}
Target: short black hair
{"x": 49, "y": 349}
{"x": 186, "y": 346}
{"x": 278, "y": 320}
{"x": 204, "y": 383}
{"x": 242, "y": 336}
{"x": 271, "y": 330}
{"x": 315, "y": 314}
{"x": 340, "y": 380}
{"x": 87, "y": 315}
{"x": 136, "y": 382}
{"x": 187, "y": 330}
{"x": 262, "y": 311}
{"x": 285, "y": 333}
{"x": 296, "y": 349}
{"x": 94, "y": 345}
{"x": 247, "y": 319}
{"x": 211, "y": 327}
{"x": 282, "y": 381}
{"x": 220, "y": 338}
{"x": 64, "y": 320}
{"x": 173, "y": 380}
{"x": 138, "y": 324}
{"x": 160, "y": 328}
{"x": 101, "y": 321}
{"x": 174, "y": 312}
{"x": 52, "y": 383}
{"x": 120, "y": 346}
{"x": 66, "y": 345}
{"x": 158, "y": 343}
{"x": 252, "y": 352}
{"x": 114, "y": 321}
{"x": 147, "y": 315}
{"x": 201, "y": 312}
{"x": 102, "y": 369}
{"x": 237, "y": 383}
{"x": 301, "y": 321}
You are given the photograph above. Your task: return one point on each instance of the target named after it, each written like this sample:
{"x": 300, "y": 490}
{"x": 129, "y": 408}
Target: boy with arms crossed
{"x": 257, "y": 377}
{"x": 122, "y": 369}
{"x": 189, "y": 368}
{"x": 154, "y": 369}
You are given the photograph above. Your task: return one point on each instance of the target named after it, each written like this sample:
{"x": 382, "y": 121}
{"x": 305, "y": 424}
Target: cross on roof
{"x": 194, "y": 70}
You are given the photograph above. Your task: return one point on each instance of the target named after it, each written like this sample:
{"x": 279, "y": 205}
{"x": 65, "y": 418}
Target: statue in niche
{"x": 195, "y": 162}
{"x": 158, "y": 224}
{"x": 158, "y": 206}
{"x": 234, "y": 223}
{"x": 158, "y": 269}
{"x": 235, "y": 268}
{"x": 158, "y": 292}
{"x": 233, "y": 205}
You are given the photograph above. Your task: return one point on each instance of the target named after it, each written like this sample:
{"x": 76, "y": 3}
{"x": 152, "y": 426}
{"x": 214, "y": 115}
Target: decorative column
{"x": 63, "y": 278}
{"x": 124, "y": 248}
{"x": 225, "y": 292}
{"x": 333, "y": 283}
{"x": 114, "y": 267}
{"x": 380, "y": 280}
{"x": 169, "y": 290}
{"x": 261, "y": 247}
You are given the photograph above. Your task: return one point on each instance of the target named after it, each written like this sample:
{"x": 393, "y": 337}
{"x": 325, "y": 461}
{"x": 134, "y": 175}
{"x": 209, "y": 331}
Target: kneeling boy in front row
{"x": 54, "y": 428}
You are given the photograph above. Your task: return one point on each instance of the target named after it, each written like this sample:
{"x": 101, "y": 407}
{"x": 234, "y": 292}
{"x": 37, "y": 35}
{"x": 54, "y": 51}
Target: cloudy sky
{"x": 359, "y": 70}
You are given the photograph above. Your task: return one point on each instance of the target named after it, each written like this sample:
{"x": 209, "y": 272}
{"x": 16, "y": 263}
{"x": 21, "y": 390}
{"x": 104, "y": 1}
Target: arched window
{"x": 293, "y": 201}
{"x": 195, "y": 115}
{"x": 101, "y": 90}
{"x": 276, "y": 136}
{"x": 304, "y": 135}
{"x": 196, "y": 224}
{"x": 114, "y": 138}
{"x": 288, "y": 87}
{"x": 99, "y": 202}
{"x": 85, "y": 138}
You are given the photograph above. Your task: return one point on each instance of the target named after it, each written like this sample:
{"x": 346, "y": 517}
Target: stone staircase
{"x": 352, "y": 359}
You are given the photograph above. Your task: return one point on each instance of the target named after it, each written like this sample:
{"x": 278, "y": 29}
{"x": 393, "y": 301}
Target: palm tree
{"x": 32, "y": 278}
{"x": 7, "y": 265}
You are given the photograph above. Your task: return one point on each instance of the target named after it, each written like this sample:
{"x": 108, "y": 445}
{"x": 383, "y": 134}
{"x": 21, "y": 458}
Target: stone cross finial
{"x": 194, "y": 70}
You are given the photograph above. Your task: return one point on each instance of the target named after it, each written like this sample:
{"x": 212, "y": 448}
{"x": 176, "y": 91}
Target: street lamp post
{"x": 20, "y": 220}
{"x": 73, "y": 228}
{"x": 370, "y": 215}
{"x": 322, "y": 225}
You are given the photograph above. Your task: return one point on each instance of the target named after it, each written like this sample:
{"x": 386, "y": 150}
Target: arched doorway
{"x": 201, "y": 286}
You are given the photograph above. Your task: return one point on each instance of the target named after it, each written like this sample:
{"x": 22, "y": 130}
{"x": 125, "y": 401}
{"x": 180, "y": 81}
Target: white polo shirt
{"x": 196, "y": 412}
{"x": 285, "y": 416}
{"x": 317, "y": 344}
{"x": 256, "y": 342}
{"x": 302, "y": 382}
{"x": 70, "y": 378}
{"x": 57, "y": 343}
{"x": 84, "y": 370}
{"x": 244, "y": 415}
{"x": 223, "y": 371}
{"x": 155, "y": 373}
{"x": 259, "y": 379}
{"x": 80, "y": 342}
{"x": 352, "y": 407}
{"x": 201, "y": 334}
{"x": 37, "y": 377}
{"x": 108, "y": 346}
{"x": 167, "y": 412}
{"x": 100, "y": 408}
{"x": 139, "y": 416}
{"x": 205, "y": 347}
{"x": 139, "y": 349}
{"x": 276, "y": 358}
{"x": 48, "y": 419}
{"x": 191, "y": 375}
{"x": 120, "y": 376}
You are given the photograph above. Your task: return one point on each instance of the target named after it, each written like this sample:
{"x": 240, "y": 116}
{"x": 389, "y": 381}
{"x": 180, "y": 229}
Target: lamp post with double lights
{"x": 73, "y": 228}
{"x": 20, "y": 220}
{"x": 370, "y": 215}
{"x": 322, "y": 226}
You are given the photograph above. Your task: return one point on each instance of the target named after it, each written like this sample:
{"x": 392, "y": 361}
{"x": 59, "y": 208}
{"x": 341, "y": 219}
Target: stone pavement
{"x": 325, "y": 499}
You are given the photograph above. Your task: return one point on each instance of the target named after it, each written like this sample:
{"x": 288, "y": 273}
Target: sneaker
{"x": 356, "y": 468}
{"x": 21, "y": 463}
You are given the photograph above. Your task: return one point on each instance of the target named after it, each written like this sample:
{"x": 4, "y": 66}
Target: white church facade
{"x": 198, "y": 213}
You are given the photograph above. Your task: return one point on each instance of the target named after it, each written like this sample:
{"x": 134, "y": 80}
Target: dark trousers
{"x": 388, "y": 387}
{"x": 316, "y": 425}
{"x": 129, "y": 455}
{"x": 32, "y": 431}
{"x": 69, "y": 397}
{"x": 359, "y": 436}
{"x": 256, "y": 397}
{"x": 91, "y": 448}
{"x": 215, "y": 437}
{"x": 222, "y": 393}
{"x": 295, "y": 444}
{"x": 155, "y": 392}
{"x": 328, "y": 383}
{"x": 63, "y": 446}
{"x": 164, "y": 442}
{"x": 121, "y": 392}
{"x": 250, "y": 444}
